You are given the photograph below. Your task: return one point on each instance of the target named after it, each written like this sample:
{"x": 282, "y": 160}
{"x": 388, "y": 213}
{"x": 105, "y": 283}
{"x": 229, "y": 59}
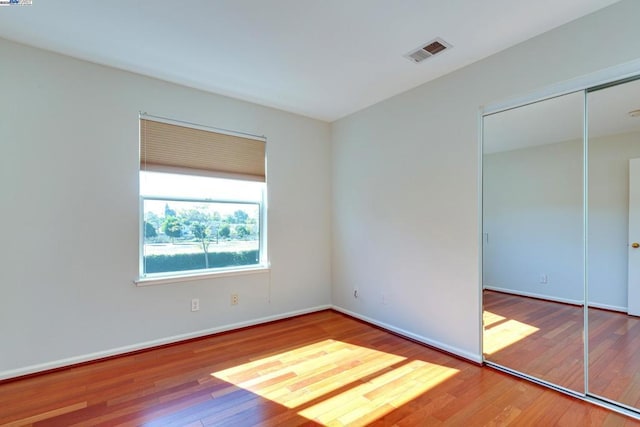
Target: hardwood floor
{"x": 614, "y": 356}
{"x": 319, "y": 369}
{"x": 544, "y": 339}
{"x": 536, "y": 337}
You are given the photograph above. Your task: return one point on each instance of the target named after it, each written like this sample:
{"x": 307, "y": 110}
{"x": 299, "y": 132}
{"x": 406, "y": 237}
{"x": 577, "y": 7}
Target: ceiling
{"x": 320, "y": 58}
{"x": 561, "y": 119}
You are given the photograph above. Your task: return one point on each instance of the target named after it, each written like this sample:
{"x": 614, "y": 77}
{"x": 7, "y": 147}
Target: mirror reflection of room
{"x": 613, "y": 228}
{"x": 533, "y": 234}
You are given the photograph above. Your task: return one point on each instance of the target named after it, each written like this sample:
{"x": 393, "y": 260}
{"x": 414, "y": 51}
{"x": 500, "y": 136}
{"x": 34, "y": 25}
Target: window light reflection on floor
{"x": 500, "y": 334}
{"x": 490, "y": 318}
{"x": 333, "y": 381}
{"x": 375, "y": 398}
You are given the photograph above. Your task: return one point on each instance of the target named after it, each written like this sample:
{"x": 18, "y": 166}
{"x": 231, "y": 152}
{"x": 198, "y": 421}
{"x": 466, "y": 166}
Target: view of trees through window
{"x": 196, "y": 235}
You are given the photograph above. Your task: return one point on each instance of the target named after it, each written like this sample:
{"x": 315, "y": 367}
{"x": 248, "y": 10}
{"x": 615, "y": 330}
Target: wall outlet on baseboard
{"x": 235, "y": 299}
{"x": 195, "y": 304}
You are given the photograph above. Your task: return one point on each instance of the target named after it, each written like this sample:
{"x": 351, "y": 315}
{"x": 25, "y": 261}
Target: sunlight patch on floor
{"x": 504, "y": 334}
{"x": 298, "y": 376}
{"x": 333, "y": 382}
{"x": 380, "y": 395}
{"x": 490, "y": 318}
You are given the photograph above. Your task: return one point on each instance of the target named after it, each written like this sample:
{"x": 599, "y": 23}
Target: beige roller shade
{"x": 171, "y": 147}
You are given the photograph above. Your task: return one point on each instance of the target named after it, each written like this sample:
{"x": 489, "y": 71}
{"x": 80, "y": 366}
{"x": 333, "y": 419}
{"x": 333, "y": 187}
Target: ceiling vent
{"x": 433, "y": 47}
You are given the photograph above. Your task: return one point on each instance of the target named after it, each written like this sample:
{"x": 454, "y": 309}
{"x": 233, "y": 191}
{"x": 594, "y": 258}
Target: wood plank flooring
{"x": 536, "y": 337}
{"x": 319, "y": 369}
{"x": 544, "y": 339}
{"x": 614, "y": 356}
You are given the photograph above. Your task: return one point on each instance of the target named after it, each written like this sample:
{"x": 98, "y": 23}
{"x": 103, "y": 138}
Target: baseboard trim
{"x": 534, "y": 295}
{"x": 555, "y": 299}
{"x": 608, "y": 307}
{"x": 42, "y": 368}
{"x": 437, "y": 345}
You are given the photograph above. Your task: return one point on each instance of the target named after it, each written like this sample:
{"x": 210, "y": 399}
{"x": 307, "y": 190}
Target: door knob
{"x": 635, "y": 245}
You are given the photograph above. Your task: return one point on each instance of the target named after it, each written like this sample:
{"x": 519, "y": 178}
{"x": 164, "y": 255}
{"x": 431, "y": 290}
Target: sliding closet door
{"x": 614, "y": 243}
{"x": 533, "y": 235}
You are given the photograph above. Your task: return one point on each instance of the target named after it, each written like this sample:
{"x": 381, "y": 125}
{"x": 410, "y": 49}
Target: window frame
{"x": 263, "y": 265}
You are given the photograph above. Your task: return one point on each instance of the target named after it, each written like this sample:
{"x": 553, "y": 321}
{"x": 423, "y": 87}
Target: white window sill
{"x": 164, "y": 280}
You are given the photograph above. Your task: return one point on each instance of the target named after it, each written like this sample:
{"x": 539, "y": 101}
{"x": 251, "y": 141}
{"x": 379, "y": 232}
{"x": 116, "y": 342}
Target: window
{"x": 202, "y": 201}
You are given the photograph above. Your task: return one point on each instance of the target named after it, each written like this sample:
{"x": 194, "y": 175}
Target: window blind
{"x": 167, "y": 147}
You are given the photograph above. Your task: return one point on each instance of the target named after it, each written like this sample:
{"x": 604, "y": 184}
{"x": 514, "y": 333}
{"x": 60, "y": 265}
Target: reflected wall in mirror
{"x": 613, "y": 226}
{"x": 533, "y": 256}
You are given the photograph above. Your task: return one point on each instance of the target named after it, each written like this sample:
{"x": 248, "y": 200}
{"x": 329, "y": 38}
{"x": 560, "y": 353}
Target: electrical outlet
{"x": 195, "y": 304}
{"x": 234, "y": 299}
{"x": 544, "y": 278}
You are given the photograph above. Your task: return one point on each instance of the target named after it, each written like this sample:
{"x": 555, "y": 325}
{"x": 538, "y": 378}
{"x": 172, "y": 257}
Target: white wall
{"x": 533, "y": 217}
{"x": 69, "y": 186}
{"x": 533, "y": 213}
{"x": 609, "y": 218}
{"x": 405, "y": 181}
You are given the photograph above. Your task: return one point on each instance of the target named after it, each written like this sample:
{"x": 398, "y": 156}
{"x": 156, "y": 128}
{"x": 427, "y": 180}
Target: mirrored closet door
{"x": 613, "y": 277}
{"x": 533, "y": 240}
{"x": 561, "y": 235}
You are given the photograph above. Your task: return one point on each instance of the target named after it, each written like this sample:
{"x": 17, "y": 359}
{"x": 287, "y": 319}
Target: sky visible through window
{"x": 170, "y": 186}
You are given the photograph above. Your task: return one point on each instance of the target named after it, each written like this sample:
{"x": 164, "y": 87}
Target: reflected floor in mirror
{"x": 614, "y": 356}
{"x": 522, "y": 333}
{"x": 536, "y": 337}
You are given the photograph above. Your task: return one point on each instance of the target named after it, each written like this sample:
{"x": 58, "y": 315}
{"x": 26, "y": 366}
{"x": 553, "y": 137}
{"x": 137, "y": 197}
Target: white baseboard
{"x": 608, "y": 307}
{"x": 433, "y": 343}
{"x": 556, "y": 299}
{"x": 153, "y": 343}
{"x": 535, "y": 295}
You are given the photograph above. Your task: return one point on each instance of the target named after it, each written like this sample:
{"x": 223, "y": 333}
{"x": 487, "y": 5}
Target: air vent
{"x": 433, "y": 47}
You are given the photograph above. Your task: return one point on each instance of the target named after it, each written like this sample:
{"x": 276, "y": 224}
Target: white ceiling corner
{"x": 322, "y": 59}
